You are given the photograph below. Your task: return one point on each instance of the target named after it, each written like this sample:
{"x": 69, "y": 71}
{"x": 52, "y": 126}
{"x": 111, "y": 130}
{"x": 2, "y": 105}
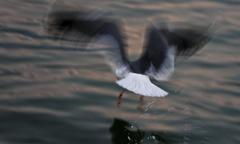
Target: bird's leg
{"x": 141, "y": 103}
{"x": 119, "y": 99}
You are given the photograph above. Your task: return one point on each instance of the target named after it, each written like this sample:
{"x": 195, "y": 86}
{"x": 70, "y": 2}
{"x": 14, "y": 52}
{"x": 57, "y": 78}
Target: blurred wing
{"x": 88, "y": 28}
{"x": 164, "y": 44}
{"x": 187, "y": 40}
{"x": 158, "y": 58}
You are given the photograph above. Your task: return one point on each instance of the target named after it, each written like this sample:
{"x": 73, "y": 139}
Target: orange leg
{"x": 119, "y": 99}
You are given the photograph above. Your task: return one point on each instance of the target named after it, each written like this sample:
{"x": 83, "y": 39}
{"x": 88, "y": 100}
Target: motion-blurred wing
{"x": 158, "y": 59}
{"x": 164, "y": 44}
{"x": 187, "y": 40}
{"x": 88, "y": 28}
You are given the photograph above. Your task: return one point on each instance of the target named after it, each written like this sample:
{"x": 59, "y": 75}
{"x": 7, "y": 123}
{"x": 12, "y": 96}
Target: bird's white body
{"x": 141, "y": 84}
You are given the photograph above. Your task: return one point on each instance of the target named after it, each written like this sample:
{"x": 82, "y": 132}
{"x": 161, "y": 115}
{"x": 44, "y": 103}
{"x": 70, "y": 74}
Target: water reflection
{"x": 123, "y": 132}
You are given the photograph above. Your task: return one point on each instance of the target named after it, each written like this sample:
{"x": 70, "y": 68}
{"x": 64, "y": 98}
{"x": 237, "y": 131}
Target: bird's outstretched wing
{"x": 162, "y": 45}
{"x": 187, "y": 39}
{"x": 88, "y": 28}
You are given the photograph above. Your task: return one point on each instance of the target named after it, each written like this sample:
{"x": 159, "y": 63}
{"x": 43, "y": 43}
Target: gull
{"x": 162, "y": 46}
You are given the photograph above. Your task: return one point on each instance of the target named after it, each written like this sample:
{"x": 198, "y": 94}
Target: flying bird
{"x": 162, "y": 46}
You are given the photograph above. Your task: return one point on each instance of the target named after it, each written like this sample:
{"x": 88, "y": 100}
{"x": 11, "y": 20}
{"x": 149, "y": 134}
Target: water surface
{"x": 59, "y": 93}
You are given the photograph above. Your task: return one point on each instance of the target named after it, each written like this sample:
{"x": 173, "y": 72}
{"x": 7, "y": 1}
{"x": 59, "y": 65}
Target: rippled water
{"x": 57, "y": 93}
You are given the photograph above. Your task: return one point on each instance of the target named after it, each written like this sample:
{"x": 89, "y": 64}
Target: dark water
{"x": 51, "y": 93}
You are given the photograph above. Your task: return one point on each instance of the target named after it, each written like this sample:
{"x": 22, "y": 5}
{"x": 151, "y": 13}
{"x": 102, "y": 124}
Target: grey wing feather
{"x": 187, "y": 40}
{"x": 100, "y": 30}
{"x": 157, "y": 60}
{"x": 164, "y": 44}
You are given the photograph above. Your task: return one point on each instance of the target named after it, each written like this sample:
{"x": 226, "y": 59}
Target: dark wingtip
{"x": 203, "y": 36}
{"x": 58, "y": 21}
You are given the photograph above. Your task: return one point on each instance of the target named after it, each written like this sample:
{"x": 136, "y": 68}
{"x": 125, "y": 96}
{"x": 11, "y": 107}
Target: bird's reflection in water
{"x": 123, "y": 132}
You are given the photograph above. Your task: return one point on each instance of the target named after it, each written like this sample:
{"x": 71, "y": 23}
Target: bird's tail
{"x": 141, "y": 84}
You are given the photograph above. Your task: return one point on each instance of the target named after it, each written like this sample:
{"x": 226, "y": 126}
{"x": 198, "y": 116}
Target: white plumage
{"x": 141, "y": 84}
